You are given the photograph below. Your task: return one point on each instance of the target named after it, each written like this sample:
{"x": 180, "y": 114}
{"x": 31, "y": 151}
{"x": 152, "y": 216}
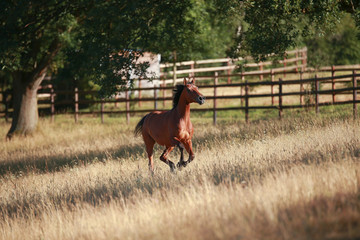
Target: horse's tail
{"x": 138, "y": 128}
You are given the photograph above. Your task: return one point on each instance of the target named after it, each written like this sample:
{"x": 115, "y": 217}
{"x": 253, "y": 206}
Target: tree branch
{"x": 42, "y": 67}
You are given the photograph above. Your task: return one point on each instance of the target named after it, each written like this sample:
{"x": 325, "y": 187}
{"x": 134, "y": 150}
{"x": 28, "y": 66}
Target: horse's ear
{"x": 193, "y": 81}
{"x": 185, "y": 81}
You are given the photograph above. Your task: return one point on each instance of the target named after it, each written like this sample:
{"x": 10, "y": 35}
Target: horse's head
{"x": 192, "y": 93}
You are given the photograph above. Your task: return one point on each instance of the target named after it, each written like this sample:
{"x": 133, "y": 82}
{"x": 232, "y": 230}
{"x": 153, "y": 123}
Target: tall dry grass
{"x": 294, "y": 179}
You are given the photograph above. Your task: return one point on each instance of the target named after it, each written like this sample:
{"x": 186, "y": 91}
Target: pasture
{"x": 298, "y": 178}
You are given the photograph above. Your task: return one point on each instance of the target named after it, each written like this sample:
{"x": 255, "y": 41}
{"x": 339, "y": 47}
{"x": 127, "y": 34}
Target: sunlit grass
{"x": 292, "y": 179}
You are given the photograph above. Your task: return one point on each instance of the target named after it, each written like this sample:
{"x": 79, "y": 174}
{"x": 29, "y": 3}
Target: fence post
{"x": 354, "y": 94}
{"x": 52, "y": 104}
{"x": 116, "y": 101}
{"x": 139, "y": 92}
{"x": 164, "y": 92}
{"x": 272, "y": 87}
{"x": 127, "y": 103}
{"x": 301, "y": 89}
{"x": 215, "y": 94}
{"x": 242, "y": 89}
{"x": 333, "y": 83}
{"x": 76, "y": 105}
{"x": 284, "y": 66}
{"x": 317, "y": 87}
{"x": 303, "y": 61}
{"x": 228, "y": 71}
{"x": 102, "y": 110}
{"x": 261, "y": 68}
{"x": 155, "y": 97}
{"x": 280, "y": 98}
{"x": 174, "y": 68}
{"x": 192, "y": 74}
{"x": 246, "y": 102}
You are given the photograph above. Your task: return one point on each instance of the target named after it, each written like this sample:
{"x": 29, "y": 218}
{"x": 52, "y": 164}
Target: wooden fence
{"x": 314, "y": 89}
{"x": 295, "y": 60}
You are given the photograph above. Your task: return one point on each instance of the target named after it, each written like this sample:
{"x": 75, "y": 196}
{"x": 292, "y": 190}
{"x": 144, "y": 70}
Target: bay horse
{"x": 171, "y": 128}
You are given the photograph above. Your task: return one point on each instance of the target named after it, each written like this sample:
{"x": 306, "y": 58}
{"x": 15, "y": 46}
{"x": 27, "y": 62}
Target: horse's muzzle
{"x": 201, "y": 100}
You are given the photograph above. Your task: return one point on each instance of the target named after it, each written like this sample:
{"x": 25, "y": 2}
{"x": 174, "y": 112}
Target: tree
{"x": 275, "y": 26}
{"x": 211, "y": 35}
{"x": 37, "y": 36}
{"x": 203, "y": 33}
{"x": 103, "y": 39}
{"x": 338, "y": 47}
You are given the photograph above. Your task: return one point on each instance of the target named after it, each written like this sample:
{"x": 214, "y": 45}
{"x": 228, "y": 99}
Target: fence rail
{"x": 295, "y": 60}
{"x": 345, "y": 85}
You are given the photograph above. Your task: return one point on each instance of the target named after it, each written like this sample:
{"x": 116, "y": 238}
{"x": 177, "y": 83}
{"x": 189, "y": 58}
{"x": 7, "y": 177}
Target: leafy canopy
{"x": 101, "y": 38}
{"x": 341, "y": 46}
{"x": 275, "y": 26}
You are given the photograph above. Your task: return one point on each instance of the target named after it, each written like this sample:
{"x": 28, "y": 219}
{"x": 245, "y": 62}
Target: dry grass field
{"x": 298, "y": 178}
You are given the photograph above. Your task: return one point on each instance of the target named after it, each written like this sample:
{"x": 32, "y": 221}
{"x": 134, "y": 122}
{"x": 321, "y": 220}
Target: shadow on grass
{"x": 331, "y": 217}
{"x": 139, "y": 183}
{"x": 56, "y": 163}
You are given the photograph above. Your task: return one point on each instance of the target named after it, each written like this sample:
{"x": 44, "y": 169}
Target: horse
{"x": 171, "y": 128}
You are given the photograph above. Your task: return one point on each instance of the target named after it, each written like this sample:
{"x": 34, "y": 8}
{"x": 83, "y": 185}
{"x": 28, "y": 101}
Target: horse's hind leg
{"x": 149, "y": 143}
{"x": 164, "y": 158}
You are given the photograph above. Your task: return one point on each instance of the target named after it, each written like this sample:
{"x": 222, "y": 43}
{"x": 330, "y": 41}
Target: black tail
{"x": 139, "y": 126}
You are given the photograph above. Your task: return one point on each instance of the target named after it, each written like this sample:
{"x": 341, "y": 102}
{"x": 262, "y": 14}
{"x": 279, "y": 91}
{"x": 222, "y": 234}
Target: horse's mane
{"x": 177, "y": 92}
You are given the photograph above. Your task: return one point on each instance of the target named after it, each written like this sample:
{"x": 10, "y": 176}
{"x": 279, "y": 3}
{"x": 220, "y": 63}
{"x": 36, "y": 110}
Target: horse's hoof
{"x": 179, "y": 167}
{"x": 181, "y": 164}
{"x": 172, "y": 167}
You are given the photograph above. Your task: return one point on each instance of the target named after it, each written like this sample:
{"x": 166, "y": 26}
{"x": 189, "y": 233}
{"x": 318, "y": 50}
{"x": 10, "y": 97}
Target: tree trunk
{"x": 25, "y": 115}
{"x": 25, "y": 85}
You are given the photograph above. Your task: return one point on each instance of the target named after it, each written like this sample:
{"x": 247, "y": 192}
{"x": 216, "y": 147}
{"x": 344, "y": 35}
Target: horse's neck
{"x": 183, "y": 108}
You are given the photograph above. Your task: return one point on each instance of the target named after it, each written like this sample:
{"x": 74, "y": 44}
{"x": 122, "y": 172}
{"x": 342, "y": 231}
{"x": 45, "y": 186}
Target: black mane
{"x": 177, "y": 92}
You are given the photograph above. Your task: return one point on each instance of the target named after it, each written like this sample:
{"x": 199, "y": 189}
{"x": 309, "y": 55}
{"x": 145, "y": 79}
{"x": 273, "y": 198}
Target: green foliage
{"x": 100, "y": 41}
{"x": 211, "y": 35}
{"x": 114, "y": 41}
{"x": 339, "y": 46}
{"x": 94, "y": 39}
{"x": 31, "y": 31}
{"x": 195, "y": 29}
{"x": 275, "y": 26}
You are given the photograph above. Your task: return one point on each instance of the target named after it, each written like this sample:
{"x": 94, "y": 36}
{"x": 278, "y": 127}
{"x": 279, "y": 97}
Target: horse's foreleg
{"x": 164, "y": 158}
{"x": 181, "y": 148}
{"x": 188, "y": 147}
{"x": 181, "y": 163}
